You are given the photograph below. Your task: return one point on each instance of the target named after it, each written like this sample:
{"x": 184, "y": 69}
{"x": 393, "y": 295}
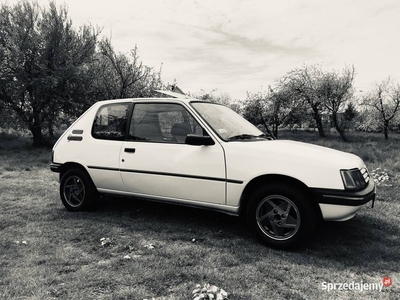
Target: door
{"x": 155, "y": 161}
{"x": 103, "y": 147}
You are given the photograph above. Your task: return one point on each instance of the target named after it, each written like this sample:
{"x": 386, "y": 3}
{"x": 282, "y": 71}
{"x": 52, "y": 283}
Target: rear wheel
{"x": 77, "y": 191}
{"x": 281, "y": 216}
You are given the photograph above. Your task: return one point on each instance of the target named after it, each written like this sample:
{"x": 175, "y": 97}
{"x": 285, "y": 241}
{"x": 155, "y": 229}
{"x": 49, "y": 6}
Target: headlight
{"x": 354, "y": 179}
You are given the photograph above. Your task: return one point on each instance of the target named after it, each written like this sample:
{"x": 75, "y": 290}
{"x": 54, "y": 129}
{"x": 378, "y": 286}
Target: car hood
{"x": 309, "y": 154}
{"x": 315, "y": 166}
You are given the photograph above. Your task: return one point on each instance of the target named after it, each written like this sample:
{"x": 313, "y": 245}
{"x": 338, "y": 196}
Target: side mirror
{"x": 199, "y": 140}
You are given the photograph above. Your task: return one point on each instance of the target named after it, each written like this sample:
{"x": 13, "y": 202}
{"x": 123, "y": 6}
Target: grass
{"x": 62, "y": 256}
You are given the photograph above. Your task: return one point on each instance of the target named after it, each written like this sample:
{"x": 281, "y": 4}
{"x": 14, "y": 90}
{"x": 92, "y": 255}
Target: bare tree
{"x": 122, "y": 75}
{"x": 337, "y": 90}
{"x": 255, "y": 110}
{"x": 282, "y": 106}
{"x": 385, "y": 99}
{"x": 272, "y": 108}
{"x": 322, "y": 92}
{"x": 202, "y": 94}
{"x": 221, "y": 98}
{"x": 304, "y": 83}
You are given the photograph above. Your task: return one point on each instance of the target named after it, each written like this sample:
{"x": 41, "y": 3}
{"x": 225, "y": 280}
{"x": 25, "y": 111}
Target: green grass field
{"x": 49, "y": 253}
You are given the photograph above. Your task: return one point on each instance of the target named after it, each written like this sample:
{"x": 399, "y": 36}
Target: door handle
{"x": 130, "y": 150}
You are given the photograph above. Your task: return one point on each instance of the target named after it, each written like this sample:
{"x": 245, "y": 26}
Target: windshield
{"x": 227, "y": 123}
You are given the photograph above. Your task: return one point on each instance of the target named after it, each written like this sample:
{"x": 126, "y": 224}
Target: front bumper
{"x": 341, "y": 205}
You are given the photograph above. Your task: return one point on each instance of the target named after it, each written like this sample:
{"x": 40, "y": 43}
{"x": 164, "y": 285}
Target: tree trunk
{"x": 342, "y": 134}
{"x": 50, "y": 128}
{"x": 266, "y": 127}
{"x": 386, "y": 129}
{"x": 276, "y": 125}
{"x": 339, "y": 129}
{"x": 318, "y": 121}
{"x": 276, "y": 131}
{"x": 38, "y": 139}
{"x": 36, "y": 129}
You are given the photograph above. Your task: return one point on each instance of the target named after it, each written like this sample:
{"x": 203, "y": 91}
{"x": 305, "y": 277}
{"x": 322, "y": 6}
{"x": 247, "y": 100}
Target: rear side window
{"x": 110, "y": 122}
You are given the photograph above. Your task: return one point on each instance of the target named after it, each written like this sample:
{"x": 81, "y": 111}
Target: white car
{"x": 197, "y": 153}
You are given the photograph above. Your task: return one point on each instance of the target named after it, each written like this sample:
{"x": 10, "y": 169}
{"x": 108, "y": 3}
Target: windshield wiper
{"x": 246, "y": 136}
{"x": 266, "y": 136}
{"x": 242, "y": 137}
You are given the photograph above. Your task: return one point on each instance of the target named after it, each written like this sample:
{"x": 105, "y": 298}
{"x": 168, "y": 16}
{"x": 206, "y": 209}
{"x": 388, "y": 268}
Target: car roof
{"x": 173, "y": 97}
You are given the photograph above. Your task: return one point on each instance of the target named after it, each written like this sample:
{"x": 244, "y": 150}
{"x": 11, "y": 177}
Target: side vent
{"x": 73, "y": 137}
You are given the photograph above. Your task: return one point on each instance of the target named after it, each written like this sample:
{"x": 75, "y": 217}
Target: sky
{"x": 235, "y": 46}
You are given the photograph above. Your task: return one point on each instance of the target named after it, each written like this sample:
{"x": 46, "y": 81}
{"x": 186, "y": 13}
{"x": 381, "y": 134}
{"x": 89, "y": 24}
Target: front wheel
{"x": 77, "y": 191}
{"x": 281, "y": 216}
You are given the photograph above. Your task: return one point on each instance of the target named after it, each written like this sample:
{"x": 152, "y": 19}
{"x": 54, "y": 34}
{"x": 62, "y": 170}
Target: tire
{"x": 281, "y": 216}
{"x": 77, "y": 191}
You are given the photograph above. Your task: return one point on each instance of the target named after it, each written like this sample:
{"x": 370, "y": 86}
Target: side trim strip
{"x": 232, "y": 210}
{"x": 168, "y": 174}
{"x": 103, "y": 168}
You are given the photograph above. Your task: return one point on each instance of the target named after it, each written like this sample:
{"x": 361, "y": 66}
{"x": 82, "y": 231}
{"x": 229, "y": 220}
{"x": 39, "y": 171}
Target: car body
{"x": 202, "y": 154}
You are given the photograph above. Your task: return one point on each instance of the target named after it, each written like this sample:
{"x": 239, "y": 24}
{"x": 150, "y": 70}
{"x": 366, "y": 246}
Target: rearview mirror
{"x": 199, "y": 140}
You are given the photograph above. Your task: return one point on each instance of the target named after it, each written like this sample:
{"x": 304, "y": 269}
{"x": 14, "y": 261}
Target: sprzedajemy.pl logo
{"x": 357, "y": 286}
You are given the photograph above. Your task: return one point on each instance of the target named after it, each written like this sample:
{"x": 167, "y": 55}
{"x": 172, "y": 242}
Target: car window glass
{"x": 225, "y": 122}
{"x": 110, "y": 122}
{"x": 162, "y": 122}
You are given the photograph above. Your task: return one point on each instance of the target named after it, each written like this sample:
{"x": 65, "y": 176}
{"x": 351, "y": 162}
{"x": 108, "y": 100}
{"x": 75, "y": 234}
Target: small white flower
{"x": 105, "y": 242}
{"x": 149, "y": 246}
{"x": 223, "y": 293}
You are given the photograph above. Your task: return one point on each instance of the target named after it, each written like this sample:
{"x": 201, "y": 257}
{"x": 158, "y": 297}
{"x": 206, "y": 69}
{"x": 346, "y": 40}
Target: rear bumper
{"x": 341, "y": 205}
{"x": 55, "y": 167}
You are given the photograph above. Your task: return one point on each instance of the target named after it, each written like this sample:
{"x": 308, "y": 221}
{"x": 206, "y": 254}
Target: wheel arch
{"x": 259, "y": 181}
{"x": 88, "y": 194}
{"x": 73, "y": 165}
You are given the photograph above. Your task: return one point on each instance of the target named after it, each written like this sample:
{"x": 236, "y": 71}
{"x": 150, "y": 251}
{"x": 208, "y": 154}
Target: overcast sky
{"x": 237, "y": 46}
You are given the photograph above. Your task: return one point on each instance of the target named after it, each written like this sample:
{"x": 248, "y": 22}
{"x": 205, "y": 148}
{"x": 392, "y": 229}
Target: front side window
{"x": 226, "y": 123}
{"x": 162, "y": 122}
{"x": 110, "y": 122}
